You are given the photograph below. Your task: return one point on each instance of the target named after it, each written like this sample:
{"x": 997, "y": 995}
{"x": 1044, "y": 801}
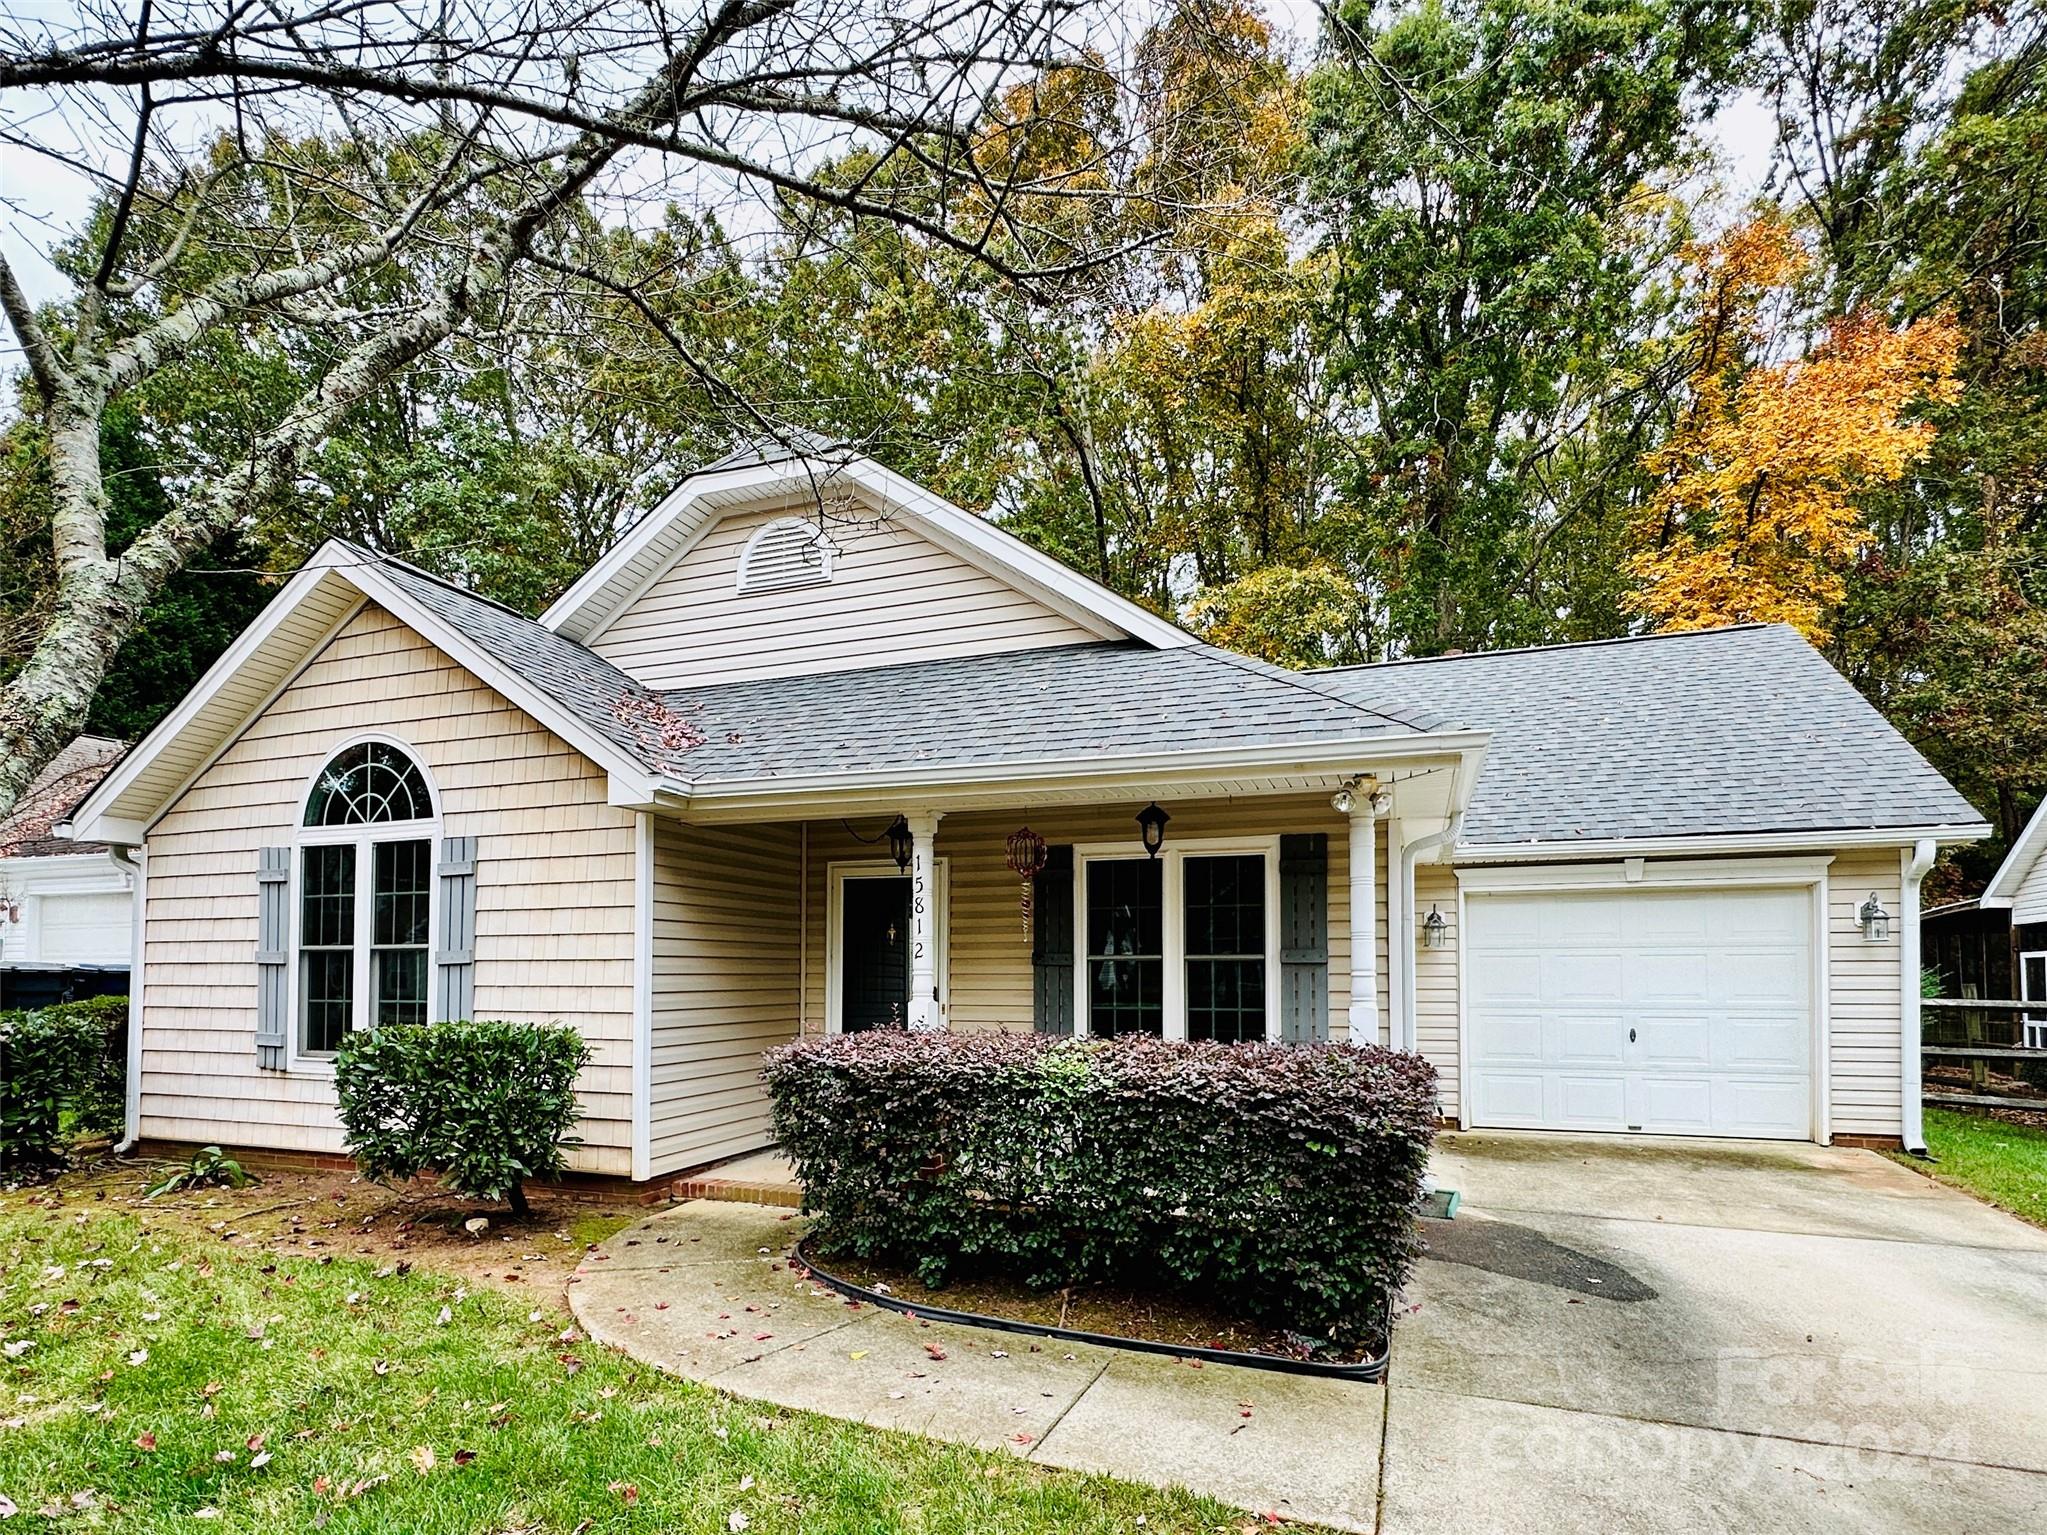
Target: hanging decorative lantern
{"x": 1026, "y": 855}
{"x": 1151, "y": 823}
{"x": 900, "y": 843}
{"x": 1435, "y": 931}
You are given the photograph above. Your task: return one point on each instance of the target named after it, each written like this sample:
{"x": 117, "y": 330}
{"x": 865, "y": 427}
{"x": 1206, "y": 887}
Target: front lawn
{"x": 180, "y": 1375}
{"x": 2002, "y": 1164}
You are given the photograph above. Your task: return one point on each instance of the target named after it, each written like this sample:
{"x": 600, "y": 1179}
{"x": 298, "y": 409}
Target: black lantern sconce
{"x": 900, "y": 843}
{"x": 1435, "y": 931}
{"x": 1151, "y": 824}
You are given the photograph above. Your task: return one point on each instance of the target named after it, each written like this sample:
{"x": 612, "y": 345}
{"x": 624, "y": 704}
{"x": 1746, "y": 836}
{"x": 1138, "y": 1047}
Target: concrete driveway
{"x": 1655, "y": 1335}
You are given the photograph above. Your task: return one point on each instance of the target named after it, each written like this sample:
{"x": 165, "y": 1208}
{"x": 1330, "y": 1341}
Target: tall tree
{"x": 1483, "y": 170}
{"x": 1757, "y": 517}
{"x": 385, "y": 179}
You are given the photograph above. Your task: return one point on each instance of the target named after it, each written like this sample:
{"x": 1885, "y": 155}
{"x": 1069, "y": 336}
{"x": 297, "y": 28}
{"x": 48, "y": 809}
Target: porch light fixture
{"x": 1876, "y": 922}
{"x": 900, "y": 843}
{"x": 1343, "y": 800}
{"x": 1435, "y": 931}
{"x": 1151, "y": 824}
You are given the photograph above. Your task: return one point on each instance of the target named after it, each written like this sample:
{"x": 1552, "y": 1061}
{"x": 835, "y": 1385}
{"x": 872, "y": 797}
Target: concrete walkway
{"x": 705, "y": 1290}
{"x": 1613, "y": 1336}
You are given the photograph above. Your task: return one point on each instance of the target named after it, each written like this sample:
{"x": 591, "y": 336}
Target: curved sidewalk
{"x": 706, "y": 1290}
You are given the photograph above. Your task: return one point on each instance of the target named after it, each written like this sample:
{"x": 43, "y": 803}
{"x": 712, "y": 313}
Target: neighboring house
{"x": 2018, "y": 892}
{"x": 66, "y": 908}
{"x": 1603, "y": 887}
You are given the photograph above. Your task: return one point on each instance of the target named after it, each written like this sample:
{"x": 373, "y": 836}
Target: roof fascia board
{"x": 1087, "y": 603}
{"x": 1733, "y": 842}
{"x": 942, "y": 787}
{"x": 2004, "y": 885}
{"x": 88, "y": 822}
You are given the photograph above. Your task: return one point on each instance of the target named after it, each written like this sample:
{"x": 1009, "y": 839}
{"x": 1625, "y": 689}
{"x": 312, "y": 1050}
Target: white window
{"x": 364, "y": 907}
{"x": 1182, "y": 946}
{"x": 788, "y": 552}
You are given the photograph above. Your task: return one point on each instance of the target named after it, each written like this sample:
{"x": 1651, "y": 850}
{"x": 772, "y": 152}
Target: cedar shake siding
{"x": 554, "y": 899}
{"x": 894, "y": 596}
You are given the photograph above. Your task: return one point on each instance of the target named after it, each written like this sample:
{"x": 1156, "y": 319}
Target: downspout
{"x": 1405, "y": 1030}
{"x": 131, "y": 859}
{"x": 1911, "y": 1064}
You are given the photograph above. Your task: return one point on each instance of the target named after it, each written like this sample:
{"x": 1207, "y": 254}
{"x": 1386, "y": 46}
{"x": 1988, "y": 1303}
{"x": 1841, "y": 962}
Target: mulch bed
{"x": 1161, "y": 1316}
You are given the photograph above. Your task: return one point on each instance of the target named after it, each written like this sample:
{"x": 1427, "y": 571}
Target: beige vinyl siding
{"x": 894, "y": 596}
{"x": 1435, "y": 981}
{"x": 1863, "y": 997}
{"x": 990, "y": 952}
{"x": 725, "y": 963}
{"x": 554, "y": 897}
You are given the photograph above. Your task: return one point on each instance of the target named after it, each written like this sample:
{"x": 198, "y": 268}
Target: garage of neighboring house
{"x": 1651, "y": 999}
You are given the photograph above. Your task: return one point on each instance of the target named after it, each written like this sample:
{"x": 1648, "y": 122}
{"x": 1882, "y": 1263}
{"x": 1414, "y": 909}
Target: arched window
{"x": 790, "y": 551}
{"x": 365, "y": 896}
{"x": 366, "y": 785}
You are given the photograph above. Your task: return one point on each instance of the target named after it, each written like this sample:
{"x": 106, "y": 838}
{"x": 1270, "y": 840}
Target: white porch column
{"x": 923, "y": 920}
{"x": 1364, "y": 904}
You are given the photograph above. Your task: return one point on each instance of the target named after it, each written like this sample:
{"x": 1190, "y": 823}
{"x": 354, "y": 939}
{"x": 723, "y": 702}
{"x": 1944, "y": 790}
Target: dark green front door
{"x": 874, "y": 967}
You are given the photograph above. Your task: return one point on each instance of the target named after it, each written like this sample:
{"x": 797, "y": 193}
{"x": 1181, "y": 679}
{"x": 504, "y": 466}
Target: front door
{"x": 874, "y": 962}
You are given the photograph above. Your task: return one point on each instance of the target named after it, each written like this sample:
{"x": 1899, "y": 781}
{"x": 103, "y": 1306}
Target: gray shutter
{"x": 273, "y": 894}
{"x": 1304, "y": 938}
{"x": 1052, "y": 943}
{"x": 455, "y": 960}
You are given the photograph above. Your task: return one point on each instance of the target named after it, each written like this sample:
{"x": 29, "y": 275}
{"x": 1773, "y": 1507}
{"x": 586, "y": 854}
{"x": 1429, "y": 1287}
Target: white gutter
{"x": 1911, "y": 1065}
{"x": 131, "y": 859}
{"x": 1405, "y": 1030}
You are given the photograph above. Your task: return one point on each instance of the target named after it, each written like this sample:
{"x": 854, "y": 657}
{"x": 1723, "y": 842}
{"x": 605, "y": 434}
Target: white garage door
{"x": 1674, "y": 1012}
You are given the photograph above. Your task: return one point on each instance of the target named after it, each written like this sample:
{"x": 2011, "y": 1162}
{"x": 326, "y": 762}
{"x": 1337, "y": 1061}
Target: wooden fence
{"x": 1979, "y": 1033}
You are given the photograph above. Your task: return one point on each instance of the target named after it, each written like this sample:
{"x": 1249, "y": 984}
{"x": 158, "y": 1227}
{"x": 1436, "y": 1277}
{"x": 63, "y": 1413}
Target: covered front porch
{"x": 1263, "y": 906}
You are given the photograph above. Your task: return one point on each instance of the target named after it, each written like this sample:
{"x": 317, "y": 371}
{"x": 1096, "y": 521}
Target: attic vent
{"x": 790, "y": 551}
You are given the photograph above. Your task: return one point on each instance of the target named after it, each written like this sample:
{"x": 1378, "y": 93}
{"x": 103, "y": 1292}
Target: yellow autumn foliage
{"x": 1757, "y": 518}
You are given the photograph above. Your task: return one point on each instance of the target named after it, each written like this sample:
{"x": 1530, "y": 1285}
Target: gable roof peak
{"x": 763, "y": 475}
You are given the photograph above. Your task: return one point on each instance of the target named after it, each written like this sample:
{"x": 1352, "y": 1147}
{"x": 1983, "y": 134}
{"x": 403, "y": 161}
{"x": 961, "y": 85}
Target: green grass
{"x": 2004, "y": 1165}
{"x": 194, "y": 1346}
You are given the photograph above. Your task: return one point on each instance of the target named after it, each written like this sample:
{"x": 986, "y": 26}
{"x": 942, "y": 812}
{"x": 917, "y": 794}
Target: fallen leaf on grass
{"x": 628, "y": 1494}
{"x": 423, "y": 1458}
{"x": 146, "y": 1441}
{"x": 737, "y": 1521}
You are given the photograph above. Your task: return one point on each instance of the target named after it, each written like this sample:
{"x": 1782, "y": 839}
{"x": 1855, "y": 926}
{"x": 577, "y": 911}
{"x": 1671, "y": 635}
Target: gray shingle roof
{"x": 1019, "y": 706}
{"x": 1730, "y": 731}
{"x": 1070, "y": 701}
{"x": 1726, "y": 731}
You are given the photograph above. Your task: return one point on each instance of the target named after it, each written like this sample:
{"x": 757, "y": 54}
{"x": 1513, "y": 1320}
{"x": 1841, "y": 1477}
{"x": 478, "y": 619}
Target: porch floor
{"x": 763, "y": 1178}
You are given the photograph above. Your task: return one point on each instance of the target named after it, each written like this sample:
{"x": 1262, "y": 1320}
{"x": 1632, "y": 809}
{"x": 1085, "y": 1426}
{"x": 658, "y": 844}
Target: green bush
{"x": 1283, "y": 1178}
{"x": 486, "y": 1106}
{"x": 63, "y": 1071}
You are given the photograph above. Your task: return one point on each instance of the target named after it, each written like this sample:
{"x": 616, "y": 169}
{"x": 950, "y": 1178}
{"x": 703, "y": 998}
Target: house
{"x": 66, "y": 907}
{"x": 811, "y": 749}
{"x": 2017, "y": 893}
